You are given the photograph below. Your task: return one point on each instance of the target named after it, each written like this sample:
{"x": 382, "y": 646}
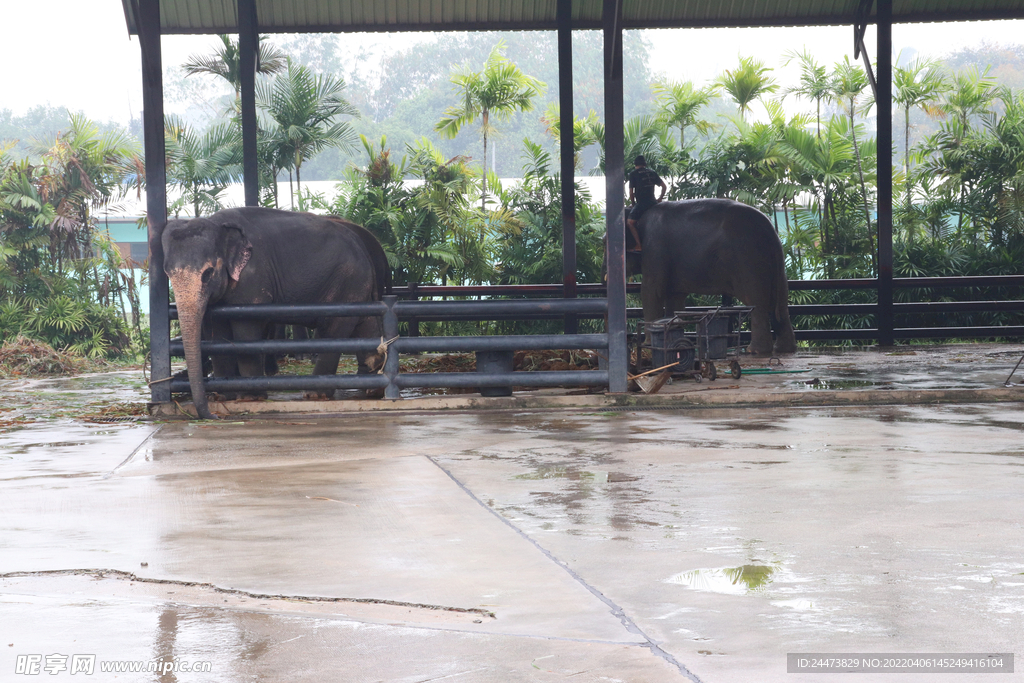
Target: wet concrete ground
{"x": 610, "y": 545}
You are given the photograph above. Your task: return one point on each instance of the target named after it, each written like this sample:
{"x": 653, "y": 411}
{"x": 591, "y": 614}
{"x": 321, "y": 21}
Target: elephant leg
{"x": 250, "y": 365}
{"x": 369, "y": 361}
{"x": 785, "y": 340}
{"x": 224, "y": 365}
{"x": 760, "y": 331}
{"x": 300, "y": 332}
{"x": 653, "y": 302}
{"x": 676, "y": 302}
{"x": 270, "y": 360}
{"x": 327, "y": 363}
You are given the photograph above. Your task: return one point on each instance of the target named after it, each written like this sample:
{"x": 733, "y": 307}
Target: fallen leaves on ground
{"x": 23, "y": 356}
{"x": 116, "y": 412}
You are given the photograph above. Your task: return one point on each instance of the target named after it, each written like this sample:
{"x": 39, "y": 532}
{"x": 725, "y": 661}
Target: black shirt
{"x": 643, "y": 181}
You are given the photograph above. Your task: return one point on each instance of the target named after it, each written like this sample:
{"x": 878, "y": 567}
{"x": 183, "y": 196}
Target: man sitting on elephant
{"x": 642, "y": 181}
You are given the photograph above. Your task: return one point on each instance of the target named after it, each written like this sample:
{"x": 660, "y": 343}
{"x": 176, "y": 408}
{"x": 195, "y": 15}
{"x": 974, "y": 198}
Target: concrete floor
{"x": 610, "y": 545}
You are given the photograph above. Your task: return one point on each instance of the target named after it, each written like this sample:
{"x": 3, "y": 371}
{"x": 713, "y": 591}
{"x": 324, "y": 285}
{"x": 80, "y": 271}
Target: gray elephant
{"x": 254, "y": 256}
{"x": 715, "y": 246}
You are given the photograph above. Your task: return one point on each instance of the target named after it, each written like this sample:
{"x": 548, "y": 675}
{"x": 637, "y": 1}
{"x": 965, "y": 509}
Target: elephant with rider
{"x": 715, "y": 246}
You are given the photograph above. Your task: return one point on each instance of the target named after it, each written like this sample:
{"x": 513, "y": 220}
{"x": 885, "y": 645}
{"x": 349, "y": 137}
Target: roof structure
{"x": 335, "y": 16}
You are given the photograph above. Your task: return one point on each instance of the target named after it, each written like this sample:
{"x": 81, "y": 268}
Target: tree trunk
{"x": 483, "y": 194}
{"x": 863, "y": 189}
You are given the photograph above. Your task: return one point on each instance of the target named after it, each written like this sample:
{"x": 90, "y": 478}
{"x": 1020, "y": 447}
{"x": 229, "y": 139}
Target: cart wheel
{"x": 736, "y": 369}
{"x": 711, "y": 370}
{"x": 697, "y": 378}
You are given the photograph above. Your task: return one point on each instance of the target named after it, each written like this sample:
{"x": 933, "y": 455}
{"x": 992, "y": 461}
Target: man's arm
{"x": 664, "y": 187}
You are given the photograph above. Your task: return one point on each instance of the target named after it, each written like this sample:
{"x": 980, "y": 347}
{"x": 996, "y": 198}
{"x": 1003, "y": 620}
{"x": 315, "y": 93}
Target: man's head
{"x": 640, "y": 162}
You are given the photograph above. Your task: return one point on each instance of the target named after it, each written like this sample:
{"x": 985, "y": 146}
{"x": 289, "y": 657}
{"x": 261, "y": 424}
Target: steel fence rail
{"x": 406, "y": 304}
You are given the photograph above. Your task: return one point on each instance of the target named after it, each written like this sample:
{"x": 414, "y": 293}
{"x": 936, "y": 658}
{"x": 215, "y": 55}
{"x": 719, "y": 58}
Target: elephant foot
{"x": 370, "y": 394}
{"x": 318, "y": 395}
{"x": 252, "y": 396}
{"x": 785, "y": 349}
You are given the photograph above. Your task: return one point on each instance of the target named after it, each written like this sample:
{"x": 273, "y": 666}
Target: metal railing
{"x": 544, "y": 303}
{"x": 390, "y": 378}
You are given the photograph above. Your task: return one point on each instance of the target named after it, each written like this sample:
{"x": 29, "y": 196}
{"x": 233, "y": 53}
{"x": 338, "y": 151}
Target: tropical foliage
{"x": 442, "y": 218}
{"x": 61, "y": 279}
{"x": 498, "y": 91}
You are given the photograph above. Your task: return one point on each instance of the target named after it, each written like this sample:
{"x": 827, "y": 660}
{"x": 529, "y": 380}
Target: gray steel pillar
{"x": 883, "y": 104}
{"x": 156, "y": 198}
{"x": 567, "y": 153}
{"x": 248, "y": 45}
{"x": 614, "y": 166}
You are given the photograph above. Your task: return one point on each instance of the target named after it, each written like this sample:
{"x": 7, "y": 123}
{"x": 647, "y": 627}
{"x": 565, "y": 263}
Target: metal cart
{"x": 690, "y": 342}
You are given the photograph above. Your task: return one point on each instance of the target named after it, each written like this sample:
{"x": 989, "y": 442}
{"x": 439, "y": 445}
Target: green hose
{"x": 767, "y": 371}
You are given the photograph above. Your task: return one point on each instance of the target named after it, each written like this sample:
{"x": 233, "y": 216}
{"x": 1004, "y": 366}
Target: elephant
{"x": 255, "y": 255}
{"x": 715, "y": 246}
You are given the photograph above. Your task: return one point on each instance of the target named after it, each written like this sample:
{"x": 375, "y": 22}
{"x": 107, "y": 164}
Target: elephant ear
{"x": 237, "y": 251}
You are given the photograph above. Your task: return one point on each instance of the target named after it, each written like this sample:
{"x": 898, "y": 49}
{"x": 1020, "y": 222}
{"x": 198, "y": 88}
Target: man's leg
{"x": 631, "y": 224}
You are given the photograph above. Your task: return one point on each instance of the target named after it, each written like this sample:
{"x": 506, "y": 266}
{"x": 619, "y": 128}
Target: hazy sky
{"x": 77, "y": 53}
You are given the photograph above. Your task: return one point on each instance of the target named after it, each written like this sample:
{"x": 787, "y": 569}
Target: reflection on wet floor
{"x": 888, "y": 528}
{"x": 727, "y": 580}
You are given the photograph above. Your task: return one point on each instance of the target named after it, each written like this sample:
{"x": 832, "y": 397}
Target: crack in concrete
{"x": 128, "y": 576}
{"x": 626, "y": 621}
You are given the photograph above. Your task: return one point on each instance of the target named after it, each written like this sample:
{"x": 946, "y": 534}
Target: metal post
{"x": 390, "y": 325}
{"x": 568, "y": 153}
{"x": 614, "y": 166}
{"x": 156, "y": 198}
{"x": 883, "y": 104}
{"x": 248, "y": 45}
{"x": 414, "y": 323}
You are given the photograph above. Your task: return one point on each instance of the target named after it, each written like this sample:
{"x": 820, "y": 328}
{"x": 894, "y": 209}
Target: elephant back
{"x": 374, "y": 250}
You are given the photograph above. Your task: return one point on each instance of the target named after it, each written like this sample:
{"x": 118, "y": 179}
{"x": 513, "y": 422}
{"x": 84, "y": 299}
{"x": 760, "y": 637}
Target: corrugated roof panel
{"x": 219, "y": 16}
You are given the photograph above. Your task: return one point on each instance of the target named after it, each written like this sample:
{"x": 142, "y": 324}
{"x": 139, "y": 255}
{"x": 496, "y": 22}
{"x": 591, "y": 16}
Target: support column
{"x": 567, "y": 152}
{"x": 156, "y": 198}
{"x": 883, "y": 105}
{"x": 248, "y": 44}
{"x": 614, "y": 166}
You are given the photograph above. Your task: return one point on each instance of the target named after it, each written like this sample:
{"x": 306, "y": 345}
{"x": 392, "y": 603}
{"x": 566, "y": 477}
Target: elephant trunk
{"x": 191, "y": 309}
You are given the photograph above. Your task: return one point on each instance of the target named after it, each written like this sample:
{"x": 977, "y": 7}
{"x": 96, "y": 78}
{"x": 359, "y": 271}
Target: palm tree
{"x": 305, "y": 106}
{"x": 226, "y": 62}
{"x": 640, "y": 136}
{"x": 583, "y": 130}
{"x": 824, "y": 166}
{"x": 678, "y": 104}
{"x": 916, "y": 85}
{"x": 747, "y": 83}
{"x": 815, "y": 83}
{"x": 85, "y": 169}
{"x": 848, "y": 83}
{"x": 970, "y": 94}
{"x": 201, "y": 165}
{"x": 500, "y": 90}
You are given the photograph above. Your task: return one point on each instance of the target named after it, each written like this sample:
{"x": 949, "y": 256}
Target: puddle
{"x": 748, "y": 578}
{"x": 833, "y": 384}
{"x": 748, "y": 426}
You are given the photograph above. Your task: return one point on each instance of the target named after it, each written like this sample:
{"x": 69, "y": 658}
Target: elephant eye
{"x": 207, "y": 274}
